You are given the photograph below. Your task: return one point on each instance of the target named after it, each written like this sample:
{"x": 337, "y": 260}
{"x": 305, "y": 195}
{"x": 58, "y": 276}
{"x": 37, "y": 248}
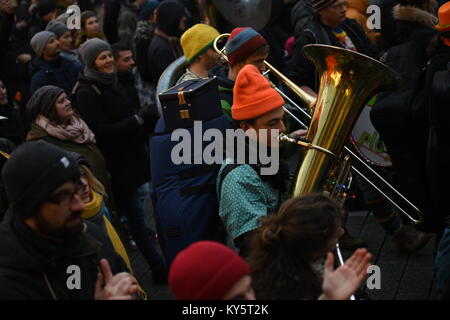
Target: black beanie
{"x": 168, "y": 17}
{"x": 45, "y": 7}
{"x": 34, "y": 171}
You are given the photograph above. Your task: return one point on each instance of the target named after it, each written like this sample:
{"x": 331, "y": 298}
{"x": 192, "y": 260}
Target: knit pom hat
{"x": 205, "y": 270}
{"x": 58, "y": 28}
{"x": 39, "y": 40}
{"x": 45, "y": 7}
{"x": 444, "y": 18}
{"x": 242, "y": 43}
{"x": 196, "y": 40}
{"x": 252, "y": 95}
{"x": 318, "y": 5}
{"x": 34, "y": 171}
{"x": 91, "y": 49}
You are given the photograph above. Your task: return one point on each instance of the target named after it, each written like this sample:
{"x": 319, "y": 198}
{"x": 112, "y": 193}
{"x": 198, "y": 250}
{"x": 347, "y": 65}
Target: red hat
{"x": 205, "y": 270}
{"x": 444, "y": 17}
{"x": 252, "y": 95}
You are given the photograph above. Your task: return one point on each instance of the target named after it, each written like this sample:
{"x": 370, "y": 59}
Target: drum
{"x": 367, "y": 141}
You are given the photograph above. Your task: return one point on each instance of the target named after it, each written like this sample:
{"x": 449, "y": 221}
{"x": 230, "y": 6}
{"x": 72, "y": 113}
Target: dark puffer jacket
{"x": 35, "y": 268}
{"x": 109, "y": 113}
{"x": 60, "y": 72}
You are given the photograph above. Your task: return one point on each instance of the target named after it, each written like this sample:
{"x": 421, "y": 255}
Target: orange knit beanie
{"x": 252, "y": 95}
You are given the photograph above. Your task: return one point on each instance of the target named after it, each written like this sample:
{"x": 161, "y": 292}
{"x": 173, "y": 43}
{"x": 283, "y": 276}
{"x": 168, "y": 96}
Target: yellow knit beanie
{"x": 197, "y": 39}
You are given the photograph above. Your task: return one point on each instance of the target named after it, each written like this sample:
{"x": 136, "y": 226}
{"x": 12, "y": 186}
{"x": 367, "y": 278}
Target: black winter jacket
{"x": 159, "y": 56}
{"x": 109, "y": 113}
{"x": 32, "y": 267}
{"x": 60, "y": 72}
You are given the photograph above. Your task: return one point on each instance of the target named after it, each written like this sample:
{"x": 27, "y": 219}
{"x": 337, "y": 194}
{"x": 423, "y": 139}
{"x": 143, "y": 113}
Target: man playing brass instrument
{"x": 245, "y": 193}
{"x": 331, "y": 27}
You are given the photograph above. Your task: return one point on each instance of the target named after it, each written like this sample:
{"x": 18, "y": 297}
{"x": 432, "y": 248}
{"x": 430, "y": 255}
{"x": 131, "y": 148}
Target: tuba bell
{"x": 344, "y": 90}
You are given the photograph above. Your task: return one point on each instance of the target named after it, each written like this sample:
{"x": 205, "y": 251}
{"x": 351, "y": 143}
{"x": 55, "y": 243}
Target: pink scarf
{"x": 76, "y": 131}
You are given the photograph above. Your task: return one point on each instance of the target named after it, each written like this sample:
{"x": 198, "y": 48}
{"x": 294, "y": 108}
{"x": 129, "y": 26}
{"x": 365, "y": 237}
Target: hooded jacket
{"x": 60, "y": 72}
{"x": 413, "y": 24}
{"x": 35, "y": 268}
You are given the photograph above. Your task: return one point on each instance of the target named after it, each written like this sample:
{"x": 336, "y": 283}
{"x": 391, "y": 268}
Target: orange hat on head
{"x": 444, "y": 17}
{"x": 252, "y": 95}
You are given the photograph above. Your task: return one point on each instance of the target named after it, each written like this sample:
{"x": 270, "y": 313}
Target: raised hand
{"x": 341, "y": 283}
{"x": 122, "y": 286}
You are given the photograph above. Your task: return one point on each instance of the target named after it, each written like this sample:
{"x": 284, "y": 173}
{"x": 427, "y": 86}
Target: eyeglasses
{"x": 65, "y": 197}
{"x": 340, "y": 5}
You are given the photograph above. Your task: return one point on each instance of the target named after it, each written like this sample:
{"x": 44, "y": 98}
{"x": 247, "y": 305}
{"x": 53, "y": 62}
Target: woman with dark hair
{"x": 289, "y": 250}
{"x": 55, "y": 121}
{"x": 90, "y": 28}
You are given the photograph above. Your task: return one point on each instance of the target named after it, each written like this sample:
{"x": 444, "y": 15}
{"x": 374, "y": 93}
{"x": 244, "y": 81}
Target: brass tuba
{"x": 345, "y": 88}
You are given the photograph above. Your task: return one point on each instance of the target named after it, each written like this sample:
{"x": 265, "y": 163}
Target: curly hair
{"x": 286, "y": 244}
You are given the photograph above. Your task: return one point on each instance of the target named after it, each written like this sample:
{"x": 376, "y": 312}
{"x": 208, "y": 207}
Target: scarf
{"x": 76, "y": 131}
{"x": 107, "y": 79}
{"x": 96, "y": 206}
{"x": 341, "y": 35}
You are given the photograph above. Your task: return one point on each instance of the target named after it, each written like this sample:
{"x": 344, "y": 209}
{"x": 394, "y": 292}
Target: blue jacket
{"x": 60, "y": 72}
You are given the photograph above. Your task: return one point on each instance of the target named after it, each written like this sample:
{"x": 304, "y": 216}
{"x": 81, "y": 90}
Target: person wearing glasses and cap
{"x": 49, "y": 252}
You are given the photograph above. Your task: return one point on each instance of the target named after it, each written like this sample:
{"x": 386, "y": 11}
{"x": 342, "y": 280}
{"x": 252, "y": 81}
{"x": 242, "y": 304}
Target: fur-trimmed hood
{"x": 414, "y": 14}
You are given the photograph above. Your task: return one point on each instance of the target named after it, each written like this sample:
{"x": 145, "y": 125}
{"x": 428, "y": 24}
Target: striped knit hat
{"x": 242, "y": 43}
{"x": 318, "y": 5}
{"x": 196, "y": 40}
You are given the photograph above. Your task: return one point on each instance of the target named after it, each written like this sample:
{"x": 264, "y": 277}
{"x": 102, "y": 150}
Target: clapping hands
{"x": 341, "y": 283}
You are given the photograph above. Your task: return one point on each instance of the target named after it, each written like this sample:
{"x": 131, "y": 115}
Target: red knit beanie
{"x": 205, "y": 270}
{"x": 252, "y": 95}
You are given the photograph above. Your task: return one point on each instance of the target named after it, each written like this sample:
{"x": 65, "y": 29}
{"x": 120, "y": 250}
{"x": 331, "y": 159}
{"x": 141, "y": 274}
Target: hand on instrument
{"x": 121, "y": 286}
{"x": 341, "y": 283}
{"x": 301, "y": 133}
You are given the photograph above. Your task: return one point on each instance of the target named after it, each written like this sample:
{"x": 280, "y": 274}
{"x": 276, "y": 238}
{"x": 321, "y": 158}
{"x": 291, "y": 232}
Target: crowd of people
{"x": 82, "y": 148}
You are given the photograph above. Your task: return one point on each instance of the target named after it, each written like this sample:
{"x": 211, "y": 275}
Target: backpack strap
{"x": 227, "y": 169}
{"x": 93, "y": 86}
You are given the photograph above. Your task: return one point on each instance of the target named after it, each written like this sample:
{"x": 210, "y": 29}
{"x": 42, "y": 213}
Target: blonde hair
{"x": 94, "y": 183}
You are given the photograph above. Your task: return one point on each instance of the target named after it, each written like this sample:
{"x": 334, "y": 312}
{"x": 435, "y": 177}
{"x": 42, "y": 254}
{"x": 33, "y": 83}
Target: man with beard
{"x": 48, "y": 67}
{"x": 197, "y": 43}
{"x": 247, "y": 192}
{"x": 48, "y": 251}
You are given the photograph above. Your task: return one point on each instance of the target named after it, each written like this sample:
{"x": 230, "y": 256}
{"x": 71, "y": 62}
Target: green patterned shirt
{"x": 244, "y": 198}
